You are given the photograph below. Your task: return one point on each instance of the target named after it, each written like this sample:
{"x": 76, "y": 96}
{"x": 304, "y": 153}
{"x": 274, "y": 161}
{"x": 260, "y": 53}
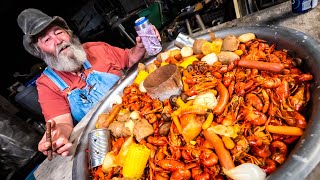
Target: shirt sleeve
{"x": 117, "y": 57}
{"x": 120, "y": 55}
{"x": 52, "y": 103}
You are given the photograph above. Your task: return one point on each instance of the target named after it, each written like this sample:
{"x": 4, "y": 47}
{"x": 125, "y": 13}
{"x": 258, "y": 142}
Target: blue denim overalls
{"x": 82, "y": 100}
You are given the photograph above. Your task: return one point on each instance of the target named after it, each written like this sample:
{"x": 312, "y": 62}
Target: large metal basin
{"x": 305, "y": 155}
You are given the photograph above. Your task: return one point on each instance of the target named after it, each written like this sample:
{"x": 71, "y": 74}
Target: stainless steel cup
{"x": 99, "y": 144}
{"x": 183, "y": 40}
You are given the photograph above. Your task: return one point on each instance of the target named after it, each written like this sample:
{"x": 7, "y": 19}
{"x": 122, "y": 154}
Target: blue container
{"x": 301, "y": 6}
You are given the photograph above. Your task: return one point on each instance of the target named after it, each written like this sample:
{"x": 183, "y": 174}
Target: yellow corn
{"x": 135, "y": 161}
{"x": 189, "y": 103}
{"x": 141, "y": 76}
{"x": 207, "y": 48}
{"x": 193, "y": 142}
{"x": 238, "y": 52}
{"x": 217, "y": 43}
{"x": 180, "y": 102}
{"x": 178, "y": 111}
{"x": 188, "y": 61}
{"x": 163, "y": 63}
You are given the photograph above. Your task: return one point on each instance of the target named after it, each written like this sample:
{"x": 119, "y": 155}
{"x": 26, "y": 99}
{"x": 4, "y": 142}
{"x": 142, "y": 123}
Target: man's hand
{"x": 137, "y": 52}
{"x": 60, "y": 133}
{"x": 139, "y": 40}
{"x": 157, "y": 32}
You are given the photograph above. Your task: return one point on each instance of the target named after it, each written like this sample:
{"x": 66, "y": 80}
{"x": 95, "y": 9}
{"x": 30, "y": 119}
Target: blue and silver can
{"x": 301, "y": 6}
{"x": 149, "y": 39}
{"x": 99, "y": 145}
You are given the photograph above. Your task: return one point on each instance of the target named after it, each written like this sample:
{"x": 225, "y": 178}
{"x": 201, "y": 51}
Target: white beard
{"x": 69, "y": 60}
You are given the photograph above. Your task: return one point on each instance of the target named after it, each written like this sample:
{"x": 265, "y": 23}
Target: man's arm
{"x": 137, "y": 52}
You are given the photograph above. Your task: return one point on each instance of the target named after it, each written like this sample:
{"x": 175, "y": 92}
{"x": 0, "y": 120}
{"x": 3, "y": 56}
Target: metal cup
{"x": 183, "y": 40}
{"x": 99, "y": 145}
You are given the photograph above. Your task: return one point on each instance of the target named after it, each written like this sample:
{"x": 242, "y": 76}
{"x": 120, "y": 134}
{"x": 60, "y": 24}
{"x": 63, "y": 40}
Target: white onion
{"x": 109, "y": 162}
{"x": 207, "y": 99}
{"x": 186, "y": 51}
{"x": 246, "y": 171}
{"x": 246, "y": 37}
{"x": 130, "y": 125}
{"x": 191, "y": 97}
{"x": 210, "y": 58}
{"x": 141, "y": 87}
{"x": 134, "y": 115}
{"x": 117, "y": 99}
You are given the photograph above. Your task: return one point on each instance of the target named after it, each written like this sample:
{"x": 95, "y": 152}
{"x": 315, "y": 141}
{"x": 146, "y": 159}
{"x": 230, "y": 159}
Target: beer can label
{"x": 99, "y": 144}
{"x": 148, "y": 36}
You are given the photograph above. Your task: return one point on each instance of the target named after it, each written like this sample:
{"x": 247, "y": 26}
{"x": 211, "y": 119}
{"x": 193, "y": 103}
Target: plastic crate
{"x": 153, "y": 14}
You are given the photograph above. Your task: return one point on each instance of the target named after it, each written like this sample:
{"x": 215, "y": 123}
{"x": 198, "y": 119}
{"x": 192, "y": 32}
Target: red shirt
{"x": 102, "y": 57}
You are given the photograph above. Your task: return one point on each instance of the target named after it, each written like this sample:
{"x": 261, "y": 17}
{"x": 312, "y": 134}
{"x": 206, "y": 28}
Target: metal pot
{"x": 304, "y": 156}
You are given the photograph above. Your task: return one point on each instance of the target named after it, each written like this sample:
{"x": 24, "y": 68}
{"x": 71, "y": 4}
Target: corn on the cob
{"x": 141, "y": 76}
{"x": 217, "y": 44}
{"x": 188, "y": 61}
{"x": 163, "y": 63}
{"x": 135, "y": 161}
{"x": 207, "y": 48}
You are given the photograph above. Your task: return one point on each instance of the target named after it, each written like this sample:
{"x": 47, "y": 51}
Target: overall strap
{"x": 87, "y": 65}
{"x": 55, "y": 78}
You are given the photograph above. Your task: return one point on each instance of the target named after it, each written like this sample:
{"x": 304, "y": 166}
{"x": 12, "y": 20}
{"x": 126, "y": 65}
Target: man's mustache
{"x": 62, "y": 46}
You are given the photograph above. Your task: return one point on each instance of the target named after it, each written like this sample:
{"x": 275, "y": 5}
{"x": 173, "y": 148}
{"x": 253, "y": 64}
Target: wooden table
{"x": 279, "y": 15}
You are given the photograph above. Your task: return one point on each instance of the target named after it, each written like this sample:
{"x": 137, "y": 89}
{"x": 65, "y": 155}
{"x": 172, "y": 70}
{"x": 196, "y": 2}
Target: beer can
{"x": 183, "y": 40}
{"x": 99, "y": 146}
{"x": 301, "y": 6}
{"x": 314, "y": 3}
{"x": 149, "y": 39}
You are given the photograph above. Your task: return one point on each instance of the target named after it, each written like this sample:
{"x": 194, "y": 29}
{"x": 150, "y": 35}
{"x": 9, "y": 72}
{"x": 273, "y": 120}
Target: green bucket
{"x": 153, "y": 14}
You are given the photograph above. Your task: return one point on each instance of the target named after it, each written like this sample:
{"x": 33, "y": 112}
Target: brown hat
{"x": 32, "y": 22}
